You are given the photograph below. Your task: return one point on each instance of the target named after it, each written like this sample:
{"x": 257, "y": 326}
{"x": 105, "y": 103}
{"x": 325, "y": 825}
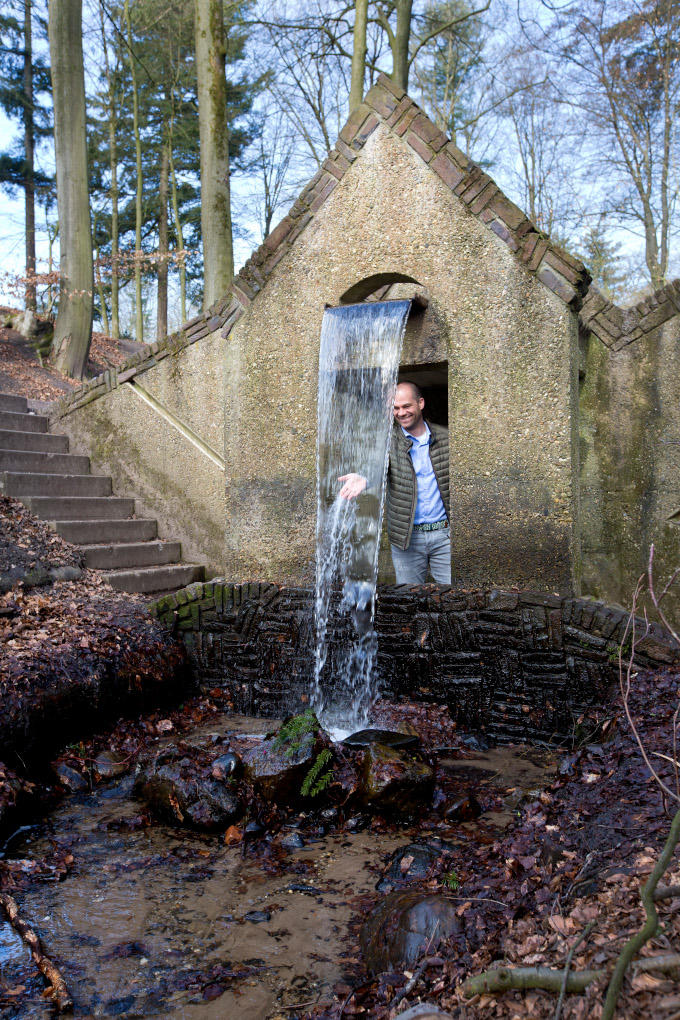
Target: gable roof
{"x": 389, "y": 105}
{"x": 386, "y": 104}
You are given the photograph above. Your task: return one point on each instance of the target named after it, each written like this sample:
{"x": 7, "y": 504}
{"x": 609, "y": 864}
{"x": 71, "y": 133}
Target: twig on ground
{"x": 521, "y": 978}
{"x": 667, "y": 961}
{"x": 666, "y": 892}
{"x": 567, "y": 966}
{"x": 427, "y": 961}
{"x": 58, "y": 990}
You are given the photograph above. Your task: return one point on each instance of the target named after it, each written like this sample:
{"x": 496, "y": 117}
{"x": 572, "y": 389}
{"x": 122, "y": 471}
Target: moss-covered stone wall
{"x": 630, "y": 461}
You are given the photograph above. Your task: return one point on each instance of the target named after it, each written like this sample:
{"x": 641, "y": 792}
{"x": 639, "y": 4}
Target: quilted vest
{"x": 400, "y": 502}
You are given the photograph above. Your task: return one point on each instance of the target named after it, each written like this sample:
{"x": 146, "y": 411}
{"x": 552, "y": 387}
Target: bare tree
{"x": 73, "y": 328}
{"x": 218, "y": 259}
{"x": 359, "y": 47}
{"x": 619, "y": 63}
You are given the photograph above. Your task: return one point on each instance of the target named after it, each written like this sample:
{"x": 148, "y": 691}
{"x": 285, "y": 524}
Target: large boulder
{"x": 395, "y": 780}
{"x": 404, "y": 926}
{"x": 279, "y": 766}
{"x": 178, "y": 790}
{"x": 411, "y": 863}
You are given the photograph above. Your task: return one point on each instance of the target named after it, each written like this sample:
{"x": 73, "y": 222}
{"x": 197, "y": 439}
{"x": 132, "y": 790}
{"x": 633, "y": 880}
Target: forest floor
{"x": 22, "y": 373}
{"x": 575, "y": 853}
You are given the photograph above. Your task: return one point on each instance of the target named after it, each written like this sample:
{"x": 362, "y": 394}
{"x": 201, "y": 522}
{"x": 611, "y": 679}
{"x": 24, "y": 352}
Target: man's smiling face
{"x": 408, "y": 407}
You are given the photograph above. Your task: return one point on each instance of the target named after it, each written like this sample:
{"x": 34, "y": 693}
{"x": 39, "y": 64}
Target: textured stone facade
{"x": 214, "y": 428}
{"x": 630, "y": 453}
{"x": 516, "y": 665}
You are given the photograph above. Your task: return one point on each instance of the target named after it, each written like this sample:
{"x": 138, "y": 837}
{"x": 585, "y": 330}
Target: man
{"x": 417, "y": 492}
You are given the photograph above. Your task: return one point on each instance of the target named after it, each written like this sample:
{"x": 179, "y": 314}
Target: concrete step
{"x": 80, "y": 508}
{"x": 132, "y": 554}
{"x": 148, "y": 579}
{"x": 43, "y": 442}
{"x": 22, "y": 422}
{"x": 96, "y": 532}
{"x": 22, "y": 484}
{"x": 10, "y": 402}
{"x": 43, "y": 463}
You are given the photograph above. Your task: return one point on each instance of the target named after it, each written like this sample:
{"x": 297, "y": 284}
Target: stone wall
{"x": 156, "y": 425}
{"x": 630, "y": 445}
{"x": 412, "y": 205}
{"x": 395, "y": 196}
{"x": 516, "y": 665}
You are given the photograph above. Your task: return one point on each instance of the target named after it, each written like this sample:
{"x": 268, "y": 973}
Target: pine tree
{"x": 24, "y": 88}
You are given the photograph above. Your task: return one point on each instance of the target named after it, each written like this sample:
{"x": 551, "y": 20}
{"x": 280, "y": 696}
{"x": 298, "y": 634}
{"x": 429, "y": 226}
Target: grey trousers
{"x": 426, "y": 549}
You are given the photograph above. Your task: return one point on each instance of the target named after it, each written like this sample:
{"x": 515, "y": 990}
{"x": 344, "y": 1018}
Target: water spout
{"x": 358, "y": 367}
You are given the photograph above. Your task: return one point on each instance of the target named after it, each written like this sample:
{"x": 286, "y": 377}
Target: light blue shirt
{"x": 429, "y": 503}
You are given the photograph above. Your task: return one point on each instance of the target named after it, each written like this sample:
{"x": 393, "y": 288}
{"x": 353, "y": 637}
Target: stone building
{"x": 562, "y": 409}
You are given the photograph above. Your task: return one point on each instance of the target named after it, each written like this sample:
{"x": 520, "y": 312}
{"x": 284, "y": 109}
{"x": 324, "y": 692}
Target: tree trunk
{"x": 113, "y": 191}
{"x": 218, "y": 260}
{"x": 73, "y": 328}
{"x": 179, "y": 246}
{"x": 162, "y": 269}
{"x": 356, "y": 92}
{"x": 139, "y": 311}
{"x": 400, "y": 44}
{"x": 29, "y": 145}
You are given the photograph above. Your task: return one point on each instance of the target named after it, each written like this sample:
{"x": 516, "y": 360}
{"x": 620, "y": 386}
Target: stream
{"x": 156, "y": 921}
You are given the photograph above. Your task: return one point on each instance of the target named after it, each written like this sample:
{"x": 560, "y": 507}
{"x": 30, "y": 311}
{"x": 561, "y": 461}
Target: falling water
{"x": 358, "y": 365}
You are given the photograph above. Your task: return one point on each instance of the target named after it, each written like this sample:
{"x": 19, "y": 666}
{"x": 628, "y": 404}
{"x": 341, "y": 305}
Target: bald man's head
{"x": 408, "y": 407}
{"x": 416, "y": 392}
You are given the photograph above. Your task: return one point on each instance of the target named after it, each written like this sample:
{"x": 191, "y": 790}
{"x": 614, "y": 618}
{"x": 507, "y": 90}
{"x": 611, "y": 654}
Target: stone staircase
{"x": 36, "y": 468}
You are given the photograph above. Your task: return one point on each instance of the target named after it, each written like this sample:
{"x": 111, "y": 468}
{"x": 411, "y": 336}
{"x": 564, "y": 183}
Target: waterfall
{"x": 358, "y": 366}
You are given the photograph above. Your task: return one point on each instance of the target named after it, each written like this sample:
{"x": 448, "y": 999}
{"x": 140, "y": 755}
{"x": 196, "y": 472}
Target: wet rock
{"x": 119, "y": 1007}
{"x": 424, "y": 1011}
{"x": 395, "y": 780}
{"x": 278, "y": 765}
{"x": 257, "y": 916}
{"x": 409, "y": 864}
{"x": 389, "y": 738}
{"x": 292, "y": 841}
{"x": 252, "y": 831}
{"x": 474, "y": 742}
{"x": 177, "y": 790}
{"x": 404, "y": 926}
{"x": 227, "y": 766}
{"x": 69, "y": 777}
{"x": 110, "y": 764}
{"x": 464, "y": 809}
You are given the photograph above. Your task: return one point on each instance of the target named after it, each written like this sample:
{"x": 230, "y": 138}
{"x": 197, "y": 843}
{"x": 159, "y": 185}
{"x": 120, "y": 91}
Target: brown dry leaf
{"x": 646, "y": 982}
{"x": 233, "y": 835}
{"x": 562, "y": 925}
{"x": 406, "y": 863}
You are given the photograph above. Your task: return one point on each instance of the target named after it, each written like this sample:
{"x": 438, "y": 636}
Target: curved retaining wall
{"x": 517, "y": 665}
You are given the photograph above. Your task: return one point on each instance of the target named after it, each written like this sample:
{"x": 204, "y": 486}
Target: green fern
{"x": 314, "y": 782}
{"x": 294, "y": 733}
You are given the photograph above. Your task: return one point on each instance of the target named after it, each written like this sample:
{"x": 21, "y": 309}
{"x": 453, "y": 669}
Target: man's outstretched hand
{"x": 353, "y": 487}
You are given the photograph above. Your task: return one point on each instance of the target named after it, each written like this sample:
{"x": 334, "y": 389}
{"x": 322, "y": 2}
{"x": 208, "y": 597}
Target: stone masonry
{"x": 518, "y": 666}
{"x": 213, "y": 429}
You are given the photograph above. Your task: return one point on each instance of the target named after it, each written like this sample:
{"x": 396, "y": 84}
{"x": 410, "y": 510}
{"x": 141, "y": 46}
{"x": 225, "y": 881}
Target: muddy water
{"x": 154, "y": 922}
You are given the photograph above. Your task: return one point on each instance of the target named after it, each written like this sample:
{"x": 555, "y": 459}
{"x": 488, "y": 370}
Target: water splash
{"x": 358, "y": 366}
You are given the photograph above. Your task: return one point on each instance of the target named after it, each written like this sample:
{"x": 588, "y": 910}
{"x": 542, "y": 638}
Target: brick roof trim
{"x": 617, "y": 327}
{"x": 386, "y": 104}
